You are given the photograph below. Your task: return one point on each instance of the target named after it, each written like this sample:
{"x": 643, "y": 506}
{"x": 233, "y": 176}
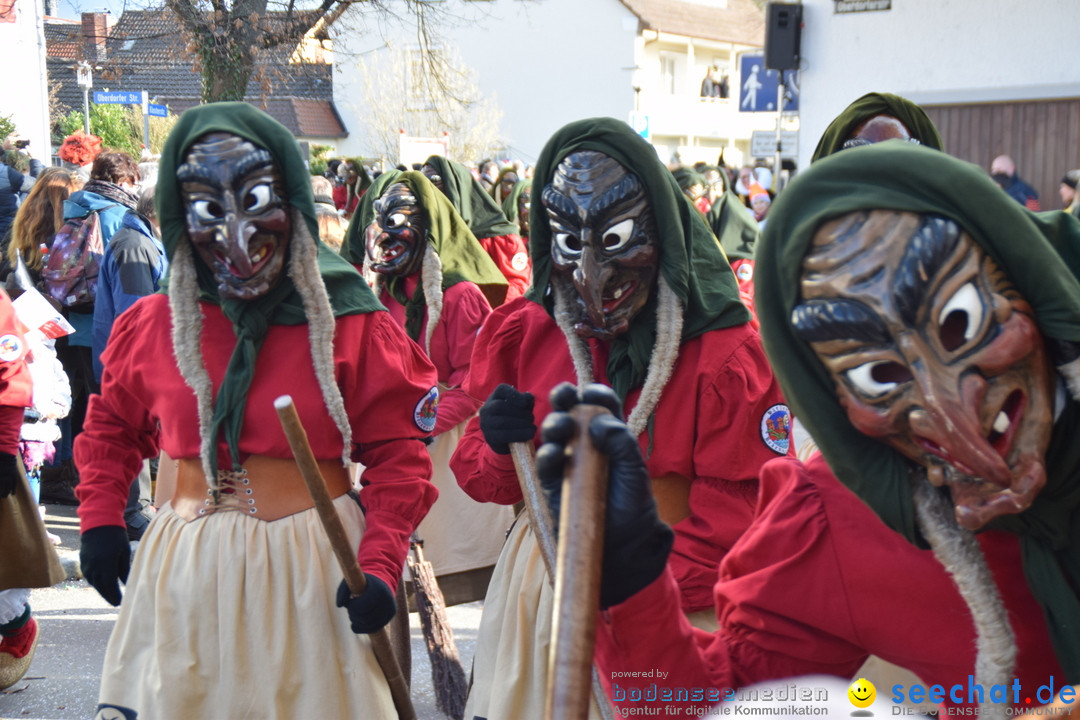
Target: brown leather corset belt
{"x": 265, "y": 488}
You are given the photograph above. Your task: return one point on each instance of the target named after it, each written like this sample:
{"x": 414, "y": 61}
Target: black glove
{"x": 9, "y": 474}
{"x": 636, "y": 542}
{"x": 370, "y": 611}
{"x": 506, "y": 417}
{"x": 105, "y": 558}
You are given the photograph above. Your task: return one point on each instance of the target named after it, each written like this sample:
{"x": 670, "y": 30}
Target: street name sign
{"x": 118, "y": 97}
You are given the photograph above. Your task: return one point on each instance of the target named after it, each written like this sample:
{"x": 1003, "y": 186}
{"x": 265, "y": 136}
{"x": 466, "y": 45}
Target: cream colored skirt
{"x": 231, "y": 617}
{"x": 512, "y": 644}
{"x": 459, "y": 533}
{"x": 509, "y": 676}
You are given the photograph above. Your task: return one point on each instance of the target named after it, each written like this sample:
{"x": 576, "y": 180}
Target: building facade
{"x": 548, "y": 62}
{"x": 997, "y": 77}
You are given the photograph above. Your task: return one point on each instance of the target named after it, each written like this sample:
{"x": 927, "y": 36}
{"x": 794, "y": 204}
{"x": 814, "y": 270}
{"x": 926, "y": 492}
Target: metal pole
{"x": 779, "y": 122}
{"x": 146, "y": 120}
{"x": 86, "y": 109}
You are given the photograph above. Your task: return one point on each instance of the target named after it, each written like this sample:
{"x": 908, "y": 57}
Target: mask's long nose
{"x": 590, "y": 277}
{"x": 949, "y": 415}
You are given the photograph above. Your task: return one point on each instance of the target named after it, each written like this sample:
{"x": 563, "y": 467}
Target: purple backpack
{"x": 71, "y": 267}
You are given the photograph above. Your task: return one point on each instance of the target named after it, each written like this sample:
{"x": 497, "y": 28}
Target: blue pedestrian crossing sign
{"x": 758, "y": 85}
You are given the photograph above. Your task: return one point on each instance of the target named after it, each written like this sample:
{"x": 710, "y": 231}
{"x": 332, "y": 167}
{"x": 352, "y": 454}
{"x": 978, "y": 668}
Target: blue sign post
{"x": 133, "y": 97}
{"x": 758, "y": 86}
{"x": 118, "y": 97}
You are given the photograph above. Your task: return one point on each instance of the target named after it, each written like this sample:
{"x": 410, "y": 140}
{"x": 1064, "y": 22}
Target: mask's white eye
{"x": 257, "y": 198}
{"x": 567, "y": 243}
{"x": 207, "y": 210}
{"x": 396, "y": 220}
{"x": 874, "y": 379}
{"x": 618, "y": 234}
{"x": 961, "y": 317}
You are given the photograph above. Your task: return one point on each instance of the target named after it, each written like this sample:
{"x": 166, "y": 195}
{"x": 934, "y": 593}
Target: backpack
{"x": 71, "y": 267}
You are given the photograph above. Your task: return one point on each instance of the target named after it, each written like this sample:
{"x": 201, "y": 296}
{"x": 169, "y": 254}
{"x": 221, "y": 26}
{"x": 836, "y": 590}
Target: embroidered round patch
{"x": 776, "y": 429}
{"x": 11, "y": 347}
{"x": 424, "y": 414}
{"x": 745, "y": 272}
{"x": 520, "y": 261}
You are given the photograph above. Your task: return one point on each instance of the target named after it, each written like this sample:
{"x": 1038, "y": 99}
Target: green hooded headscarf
{"x": 733, "y": 226}
{"x": 510, "y": 204}
{"x": 688, "y": 177}
{"x": 691, "y": 261}
{"x": 352, "y": 247}
{"x": 1040, "y": 253}
{"x": 914, "y": 118}
{"x": 282, "y": 305}
{"x": 476, "y": 207}
{"x": 462, "y": 257}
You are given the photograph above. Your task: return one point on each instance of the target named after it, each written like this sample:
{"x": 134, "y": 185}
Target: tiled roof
{"x": 151, "y": 36}
{"x": 304, "y": 117}
{"x": 146, "y": 51}
{"x": 62, "y": 72}
{"x": 742, "y": 21}
{"x": 62, "y": 38}
{"x": 317, "y": 118}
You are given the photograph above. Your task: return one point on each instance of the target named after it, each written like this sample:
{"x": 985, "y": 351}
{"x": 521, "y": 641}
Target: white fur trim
{"x": 959, "y": 552}
{"x": 1071, "y": 372}
{"x": 304, "y": 272}
{"x": 669, "y": 322}
{"x": 431, "y": 277}
{"x": 579, "y": 352}
{"x": 187, "y": 347}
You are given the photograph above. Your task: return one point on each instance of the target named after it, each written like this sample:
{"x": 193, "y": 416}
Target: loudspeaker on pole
{"x": 783, "y": 30}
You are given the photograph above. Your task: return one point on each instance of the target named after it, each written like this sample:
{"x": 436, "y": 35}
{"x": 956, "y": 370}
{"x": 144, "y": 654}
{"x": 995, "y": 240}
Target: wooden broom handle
{"x": 339, "y": 541}
{"x": 524, "y": 456}
{"x": 577, "y": 574}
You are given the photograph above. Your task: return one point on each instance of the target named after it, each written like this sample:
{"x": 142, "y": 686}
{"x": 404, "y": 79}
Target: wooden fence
{"x": 1042, "y": 136}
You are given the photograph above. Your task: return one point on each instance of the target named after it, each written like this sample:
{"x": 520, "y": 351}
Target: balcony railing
{"x": 690, "y": 115}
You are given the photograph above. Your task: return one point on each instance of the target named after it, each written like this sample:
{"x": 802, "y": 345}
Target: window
{"x": 667, "y": 73}
{"x": 417, "y": 73}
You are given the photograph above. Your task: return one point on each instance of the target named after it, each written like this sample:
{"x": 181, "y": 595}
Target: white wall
{"x": 548, "y": 62}
{"x": 935, "y": 52}
{"x": 25, "y": 92}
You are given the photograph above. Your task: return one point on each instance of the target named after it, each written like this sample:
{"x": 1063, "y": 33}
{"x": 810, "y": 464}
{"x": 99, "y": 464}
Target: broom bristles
{"x": 447, "y": 675}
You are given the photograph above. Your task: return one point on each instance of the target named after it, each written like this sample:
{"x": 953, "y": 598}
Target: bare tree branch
{"x": 393, "y": 101}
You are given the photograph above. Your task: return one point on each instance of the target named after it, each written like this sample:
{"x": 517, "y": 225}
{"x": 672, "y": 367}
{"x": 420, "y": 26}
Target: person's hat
{"x": 1072, "y": 178}
{"x": 757, "y": 191}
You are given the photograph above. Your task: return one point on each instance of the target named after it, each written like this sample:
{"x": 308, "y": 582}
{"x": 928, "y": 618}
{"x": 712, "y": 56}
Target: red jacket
{"x": 146, "y": 406}
{"x": 464, "y": 310}
{"x": 345, "y": 201}
{"x": 16, "y": 388}
{"x": 708, "y": 427}
{"x": 815, "y": 585}
{"x": 512, "y": 256}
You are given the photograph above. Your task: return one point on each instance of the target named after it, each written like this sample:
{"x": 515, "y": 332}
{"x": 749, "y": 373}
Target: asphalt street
{"x": 75, "y": 624}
